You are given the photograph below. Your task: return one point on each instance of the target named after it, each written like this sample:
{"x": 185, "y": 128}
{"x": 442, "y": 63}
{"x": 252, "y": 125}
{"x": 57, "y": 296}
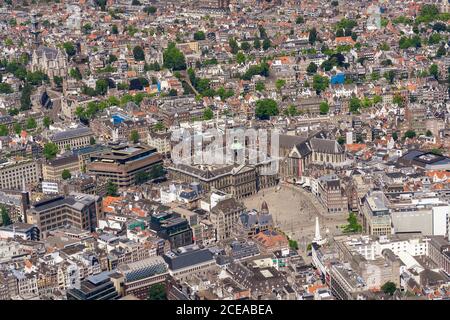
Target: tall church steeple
{"x": 35, "y": 30}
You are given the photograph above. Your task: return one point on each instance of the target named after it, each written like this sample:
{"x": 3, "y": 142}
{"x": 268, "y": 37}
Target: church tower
{"x": 34, "y": 30}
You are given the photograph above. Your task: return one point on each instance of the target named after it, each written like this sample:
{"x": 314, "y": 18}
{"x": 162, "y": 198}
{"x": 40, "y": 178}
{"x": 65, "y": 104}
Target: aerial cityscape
{"x": 224, "y": 150}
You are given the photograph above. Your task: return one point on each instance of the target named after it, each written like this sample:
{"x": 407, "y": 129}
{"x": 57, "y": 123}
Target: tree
{"x": 355, "y": 104}
{"x": 293, "y": 244}
{"x": 441, "y": 51}
{"x": 138, "y": 53}
{"x": 31, "y": 124}
{"x": 174, "y": 58}
{"x": 50, "y": 150}
{"x": 353, "y": 225}
{"x": 435, "y": 38}
{"x": 389, "y": 288}
{"x": 312, "y": 68}
{"x": 245, "y": 46}
{"x": 429, "y": 133}
{"x": 156, "y": 171}
{"x": 260, "y": 86}
{"x": 6, "y": 220}
{"x": 199, "y": 35}
{"x": 280, "y": 83}
{"x": 69, "y": 47}
{"x": 208, "y": 114}
{"x": 233, "y": 45}
{"x": 17, "y": 127}
{"x": 410, "y": 134}
{"x": 240, "y": 57}
{"x": 299, "y": 20}
{"x": 4, "y": 131}
{"x": 135, "y": 3}
{"x": 320, "y": 83}
{"x": 58, "y": 81}
{"x": 157, "y": 292}
{"x": 134, "y": 136}
{"x": 150, "y": 10}
{"x": 66, "y": 174}
{"x": 257, "y": 44}
{"x": 324, "y": 107}
{"x": 291, "y": 111}
{"x": 312, "y": 36}
{"x": 101, "y": 86}
{"x": 5, "y": 88}
{"x": 114, "y": 29}
{"x": 25, "y": 98}
{"x": 395, "y": 136}
{"x": 141, "y": 177}
{"x": 87, "y": 28}
{"x": 75, "y": 73}
{"x": 265, "y": 108}
{"x": 111, "y": 189}
{"x": 266, "y": 44}
{"x": 434, "y": 71}
{"x": 377, "y": 99}
{"x": 390, "y": 76}
{"x": 262, "y": 69}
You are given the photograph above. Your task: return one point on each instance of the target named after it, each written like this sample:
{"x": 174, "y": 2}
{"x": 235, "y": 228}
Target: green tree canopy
{"x": 389, "y": 288}
{"x": 208, "y": 114}
{"x": 50, "y": 150}
{"x": 260, "y": 86}
{"x": 31, "y": 124}
{"x": 150, "y": 10}
{"x": 6, "y": 220}
{"x": 75, "y": 73}
{"x": 66, "y": 174}
{"x": 324, "y": 107}
{"x": 280, "y": 83}
{"x": 134, "y": 136}
{"x": 199, "y": 35}
{"x": 69, "y": 47}
{"x": 265, "y": 108}
{"x": 353, "y": 225}
{"x": 410, "y": 134}
{"x": 101, "y": 86}
{"x": 138, "y": 53}
{"x": 5, "y": 88}
{"x": 157, "y": 292}
{"x": 174, "y": 58}
{"x": 320, "y": 83}
{"x": 111, "y": 189}
{"x": 4, "y": 131}
{"x": 312, "y": 68}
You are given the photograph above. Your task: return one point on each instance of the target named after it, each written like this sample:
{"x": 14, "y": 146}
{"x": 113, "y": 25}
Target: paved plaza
{"x": 295, "y": 210}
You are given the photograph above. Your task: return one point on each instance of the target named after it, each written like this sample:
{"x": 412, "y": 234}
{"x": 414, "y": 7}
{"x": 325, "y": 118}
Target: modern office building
{"x": 189, "y": 260}
{"x": 376, "y": 214}
{"x": 121, "y": 164}
{"x": 16, "y": 173}
{"x": 96, "y": 287}
{"x": 78, "y": 210}
{"x": 139, "y": 276}
{"x": 177, "y": 231}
